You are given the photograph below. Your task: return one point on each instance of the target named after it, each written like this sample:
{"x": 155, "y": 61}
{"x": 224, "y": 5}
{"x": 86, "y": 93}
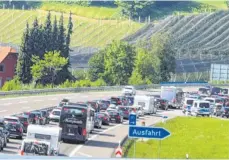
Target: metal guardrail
{"x": 78, "y": 89}
{"x": 103, "y": 88}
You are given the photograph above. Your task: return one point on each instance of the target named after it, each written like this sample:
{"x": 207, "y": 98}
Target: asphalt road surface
{"x": 102, "y": 142}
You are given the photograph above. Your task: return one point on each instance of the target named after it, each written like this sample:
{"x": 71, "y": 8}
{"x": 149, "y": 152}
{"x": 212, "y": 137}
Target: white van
{"x": 51, "y": 134}
{"x": 147, "y": 103}
{"x": 187, "y": 104}
{"x": 201, "y": 108}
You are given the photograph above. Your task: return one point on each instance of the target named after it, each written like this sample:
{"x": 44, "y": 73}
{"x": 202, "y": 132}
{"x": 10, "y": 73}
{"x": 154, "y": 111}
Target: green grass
{"x": 199, "y": 137}
{"x": 215, "y": 4}
{"x": 89, "y": 12}
{"x": 86, "y": 31}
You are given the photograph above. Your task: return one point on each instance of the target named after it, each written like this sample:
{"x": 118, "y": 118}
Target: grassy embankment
{"x": 201, "y": 138}
{"x": 86, "y": 31}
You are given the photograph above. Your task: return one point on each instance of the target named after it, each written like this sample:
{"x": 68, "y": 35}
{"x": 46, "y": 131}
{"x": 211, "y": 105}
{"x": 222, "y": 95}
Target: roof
{"x": 5, "y": 51}
{"x": 49, "y": 130}
{"x": 11, "y": 117}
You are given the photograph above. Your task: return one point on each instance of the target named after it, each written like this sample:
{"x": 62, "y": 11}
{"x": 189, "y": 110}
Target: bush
{"x": 11, "y": 85}
{"x": 85, "y": 83}
{"x": 66, "y": 84}
{"x": 98, "y": 82}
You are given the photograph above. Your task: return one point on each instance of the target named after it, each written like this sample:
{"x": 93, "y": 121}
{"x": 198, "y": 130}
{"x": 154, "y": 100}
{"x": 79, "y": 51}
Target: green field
{"x": 199, "y": 137}
{"x": 86, "y": 32}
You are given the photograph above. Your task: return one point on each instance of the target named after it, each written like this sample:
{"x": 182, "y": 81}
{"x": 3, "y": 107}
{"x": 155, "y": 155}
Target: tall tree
{"x": 36, "y": 39}
{"x": 61, "y": 37}
{"x": 96, "y": 65}
{"x": 24, "y": 61}
{"x": 55, "y": 35}
{"x": 118, "y": 63}
{"x": 161, "y": 46}
{"x": 48, "y": 33}
{"x": 68, "y": 37}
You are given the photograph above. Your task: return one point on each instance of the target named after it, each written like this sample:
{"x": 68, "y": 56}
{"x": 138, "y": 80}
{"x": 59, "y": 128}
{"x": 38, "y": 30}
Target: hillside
{"x": 86, "y": 32}
{"x": 193, "y": 33}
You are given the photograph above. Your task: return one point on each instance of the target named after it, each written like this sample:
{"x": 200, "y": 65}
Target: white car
{"x": 55, "y": 115}
{"x": 128, "y": 90}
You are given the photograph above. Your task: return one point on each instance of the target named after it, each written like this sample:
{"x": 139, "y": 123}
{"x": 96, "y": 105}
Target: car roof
{"x": 23, "y": 115}
{"x": 11, "y": 117}
{"x": 56, "y": 109}
{"x": 202, "y": 101}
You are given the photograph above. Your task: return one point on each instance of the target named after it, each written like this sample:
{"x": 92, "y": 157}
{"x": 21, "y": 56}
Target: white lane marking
{"x": 53, "y": 99}
{"x": 91, "y": 138}
{"x": 38, "y": 100}
{"x": 83, "y": 154}
{"x": 3, "y": 111}
{"x": 23, "y": 102}
{"x": 6, "y": 104}
{"x": 25, "y": 107}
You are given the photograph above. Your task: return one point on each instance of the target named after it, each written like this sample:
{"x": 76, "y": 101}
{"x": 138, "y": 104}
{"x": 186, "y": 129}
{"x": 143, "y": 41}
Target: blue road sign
{"x": 132, "y": 119}
{"x": 148, "y": 132}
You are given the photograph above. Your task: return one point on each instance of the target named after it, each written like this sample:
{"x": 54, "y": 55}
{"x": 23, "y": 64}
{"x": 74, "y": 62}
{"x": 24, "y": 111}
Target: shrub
{"x": 98, "y": 82}
{"x": 11, "y": 85}
{"x": 85, "y": 83}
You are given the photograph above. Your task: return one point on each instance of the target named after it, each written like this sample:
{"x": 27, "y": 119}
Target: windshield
{"x": 36, "y": 148}
{"x": 56, "y": 113}
{"x": 218, "y": 101}
{"x": 123, "y": 108}
{"x": 204, "y": 105}
{"x": 190, "y": 102}
{"x": 23, "y": 119}
{"x": 225, "y": 91}
{"x": 12, "y": 126}
{"x": 128, "y": 88}
{"x": 73, "y": 110}
{"x": 210, "y": 100}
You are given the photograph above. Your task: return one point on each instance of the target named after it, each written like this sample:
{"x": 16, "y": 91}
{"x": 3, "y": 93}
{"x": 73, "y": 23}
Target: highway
{"x": 101, "y": 143}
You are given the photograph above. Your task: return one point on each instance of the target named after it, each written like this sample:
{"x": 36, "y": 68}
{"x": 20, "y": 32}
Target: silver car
{"x": 55, "y": 115}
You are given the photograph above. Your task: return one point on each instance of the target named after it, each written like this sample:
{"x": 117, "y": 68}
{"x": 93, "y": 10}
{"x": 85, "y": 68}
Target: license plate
{"x": 70, "y": 134}
{"x": 113, "y": 119}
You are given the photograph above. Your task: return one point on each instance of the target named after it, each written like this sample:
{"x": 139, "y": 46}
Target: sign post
{"x": 133, "y": 122}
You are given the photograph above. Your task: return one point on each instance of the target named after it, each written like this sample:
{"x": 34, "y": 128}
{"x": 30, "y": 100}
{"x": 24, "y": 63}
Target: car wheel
{"x": 20, "y": 137}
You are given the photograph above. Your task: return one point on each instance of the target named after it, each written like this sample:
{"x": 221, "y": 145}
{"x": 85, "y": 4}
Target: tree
{"x": 161, "y": 46}
{"x": 96, "y": 65}
{"x": 68, "y": 37}
{"x": 48, "y": 33}
{"x": 146, "y": 66}
{"x": 48, "y": 67}
{"x": 24, "y": 59}
{"x": 55, "y": 35}
{"x": 118, "y": 63}
{"x": 135, "y": 8}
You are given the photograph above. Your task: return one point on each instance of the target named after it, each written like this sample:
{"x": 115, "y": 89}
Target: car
{"x": 3, "y": 126}
{"x": 94, "y": 104}
{"x": 125, "y": 111}
{"x": 116, "y": 116}
{"x": 98, "y": 121}
{"x": 116, "y": 101}
{"x": 45, "y": 114}
{"x": 225, "y": 112}
{"x": 11, "y": 119}
{"x": 128, "y": 90}
{"x": 103, "y": 104}
{"x": 54, "y": 116}
{"x": 38, "y": 117}
{"x": 162, "y": 103}
{"x": 15, "y": 129}
{"x": 3, "y": 137}
{"x": 105, "y": 118}
{"x": 24, "y": 119}
{"x": 32, "y": 117}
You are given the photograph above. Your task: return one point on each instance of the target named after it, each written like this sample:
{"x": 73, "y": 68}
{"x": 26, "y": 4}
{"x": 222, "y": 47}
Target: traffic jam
{"x": 42, "y": 131}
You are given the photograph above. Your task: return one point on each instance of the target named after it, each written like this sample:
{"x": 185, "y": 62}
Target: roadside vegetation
{"x": 200, "y": 138}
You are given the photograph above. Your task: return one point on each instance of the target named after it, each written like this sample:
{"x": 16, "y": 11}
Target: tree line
{"x": 145, "y": 63}
{"x": 41, "y": 50}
